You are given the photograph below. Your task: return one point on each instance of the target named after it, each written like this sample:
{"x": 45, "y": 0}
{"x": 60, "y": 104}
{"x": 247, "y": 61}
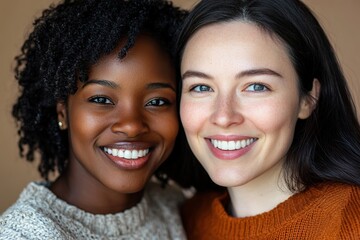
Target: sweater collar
{"x": 102, "y": 224}
{"x": 293, "y": 208}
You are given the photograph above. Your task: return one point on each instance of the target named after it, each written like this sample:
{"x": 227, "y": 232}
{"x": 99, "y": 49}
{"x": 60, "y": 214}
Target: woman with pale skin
{"x": 267, "y": 113}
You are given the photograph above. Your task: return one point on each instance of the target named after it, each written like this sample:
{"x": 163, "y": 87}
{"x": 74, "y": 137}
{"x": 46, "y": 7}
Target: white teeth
{"x": 232, "y": 145}
{"x": 121, "y": 153}
{"x": 125, "y": 153}
{"x": 114, "y": 152}
{"x": 238, "y": 145}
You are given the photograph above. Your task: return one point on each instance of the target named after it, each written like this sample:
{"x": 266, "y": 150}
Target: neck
{"x": 92, "y": 196}
{"x": 259, "y": 195}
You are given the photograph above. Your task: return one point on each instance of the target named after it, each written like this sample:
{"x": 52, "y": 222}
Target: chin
{"x": 227, "y": 179}
{"x": 129, "y": 186}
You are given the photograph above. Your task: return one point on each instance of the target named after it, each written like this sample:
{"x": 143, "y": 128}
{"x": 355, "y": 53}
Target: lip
{"x": 125, "y": 163}
{"x": 228, "y": 154}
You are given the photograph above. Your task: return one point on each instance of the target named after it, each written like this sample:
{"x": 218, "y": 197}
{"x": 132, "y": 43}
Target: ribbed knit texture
{"x": 328, "y": 211}
{"x": 39, "y": 214}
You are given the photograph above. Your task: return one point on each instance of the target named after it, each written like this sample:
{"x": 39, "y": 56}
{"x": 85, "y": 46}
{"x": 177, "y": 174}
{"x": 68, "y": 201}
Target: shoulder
{"x": 22, "y": 221}
{"x": 342, "y": 202}
{"x": 28, "y": 218}
{"x": 350, "y": 227}
{"x": 348, "y": 194}
{"x": 355, "y": 193}
{"x": 352, "y": 207}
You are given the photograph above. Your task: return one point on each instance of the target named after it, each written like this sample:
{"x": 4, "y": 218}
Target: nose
{"x": 226, "y": 111}
{"x": 130, "y": 121}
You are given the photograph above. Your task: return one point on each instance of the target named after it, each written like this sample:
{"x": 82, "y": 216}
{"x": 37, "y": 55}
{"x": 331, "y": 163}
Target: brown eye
{"x": 100, "y": 100}
{"x": 157, "y": 102}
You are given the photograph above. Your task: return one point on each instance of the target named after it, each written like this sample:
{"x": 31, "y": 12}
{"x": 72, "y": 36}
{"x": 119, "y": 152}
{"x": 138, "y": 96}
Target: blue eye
{"x": 201, "y": 88}
{"x": 256, "y": 87}
{"x": 157, "y": 102}
{"x": 100, "y": 100}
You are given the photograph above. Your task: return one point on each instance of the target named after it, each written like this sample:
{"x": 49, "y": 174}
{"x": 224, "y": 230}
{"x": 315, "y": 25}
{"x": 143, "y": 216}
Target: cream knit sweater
{"x": 39, "y": 214}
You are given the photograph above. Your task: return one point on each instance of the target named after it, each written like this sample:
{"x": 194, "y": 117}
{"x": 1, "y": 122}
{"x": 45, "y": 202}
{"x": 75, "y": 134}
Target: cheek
{"x": 84, "y": 125}
{"x": 274, "y": 116}
{"x": 167, "y": 126}
{"x": 192, "y": 115}
{"x": 172, "y": 129}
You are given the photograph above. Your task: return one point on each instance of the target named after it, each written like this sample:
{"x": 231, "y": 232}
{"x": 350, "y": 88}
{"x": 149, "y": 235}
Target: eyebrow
{"x": 158, "y": 85}
{"x": 113, "y": 85}
{"x": 250, "y": 72}
{"x": 191, "y": 73}
{"x": 105, "y": 83}
{"x": 259, "y": 71}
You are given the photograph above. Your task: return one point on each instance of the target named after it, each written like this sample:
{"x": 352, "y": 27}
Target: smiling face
{"x": 122, "y": 122}
{"x": 240, "y": 102}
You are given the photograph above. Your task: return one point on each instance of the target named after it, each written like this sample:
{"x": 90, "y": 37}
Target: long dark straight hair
{"x": 326, "y": 146}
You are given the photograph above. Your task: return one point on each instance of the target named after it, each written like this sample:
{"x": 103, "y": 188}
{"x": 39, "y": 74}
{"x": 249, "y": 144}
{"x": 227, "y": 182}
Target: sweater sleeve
{"x": 350, "y": 228}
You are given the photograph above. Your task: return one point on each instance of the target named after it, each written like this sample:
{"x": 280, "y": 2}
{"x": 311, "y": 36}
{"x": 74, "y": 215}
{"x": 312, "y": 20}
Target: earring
{"x": 60, "y": 125}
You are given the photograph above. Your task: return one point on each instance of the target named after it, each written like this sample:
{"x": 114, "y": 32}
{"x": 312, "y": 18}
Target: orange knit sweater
{"x": 328, "y": 211}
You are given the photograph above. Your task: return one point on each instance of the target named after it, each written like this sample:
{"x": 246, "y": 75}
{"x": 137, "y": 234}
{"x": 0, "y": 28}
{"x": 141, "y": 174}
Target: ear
{"x": 62, "y": 115}
{"x": 309, "y": 101}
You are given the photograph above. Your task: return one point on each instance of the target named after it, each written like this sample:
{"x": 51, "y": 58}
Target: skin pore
{"x": 239, "y": 105}
{"x": 122, "y": 124}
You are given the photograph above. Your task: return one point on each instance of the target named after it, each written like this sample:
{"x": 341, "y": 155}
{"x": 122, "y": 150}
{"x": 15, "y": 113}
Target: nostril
{"x": 130, "y": 128}
{"x": 225, "y": 115}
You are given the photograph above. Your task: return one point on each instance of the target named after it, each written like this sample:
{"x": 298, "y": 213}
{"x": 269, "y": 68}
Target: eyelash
{"x": 204, "y": 88}
{"x": 157, "y": 100}
{"x": 208, "y": 89}
{"x": 101, "y": 100}
{"x": 253, "y": 85}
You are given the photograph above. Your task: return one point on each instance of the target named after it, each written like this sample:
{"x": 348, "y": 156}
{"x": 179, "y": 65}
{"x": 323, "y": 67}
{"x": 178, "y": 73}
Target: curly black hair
{"x": 66, "y": 40}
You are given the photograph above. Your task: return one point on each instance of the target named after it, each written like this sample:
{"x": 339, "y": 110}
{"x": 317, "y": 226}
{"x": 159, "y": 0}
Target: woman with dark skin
{"x": 98, "y": 103}
{"x": 267, "y": 112}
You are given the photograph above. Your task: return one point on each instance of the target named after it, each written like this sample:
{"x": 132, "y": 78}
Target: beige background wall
{"x": 340, "y": 19}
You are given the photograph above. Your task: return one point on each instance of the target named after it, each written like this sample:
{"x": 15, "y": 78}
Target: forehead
{"x": 146, "y": 57}
{"x": 244, "y": 42}
{"x": 145, "y": 49}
